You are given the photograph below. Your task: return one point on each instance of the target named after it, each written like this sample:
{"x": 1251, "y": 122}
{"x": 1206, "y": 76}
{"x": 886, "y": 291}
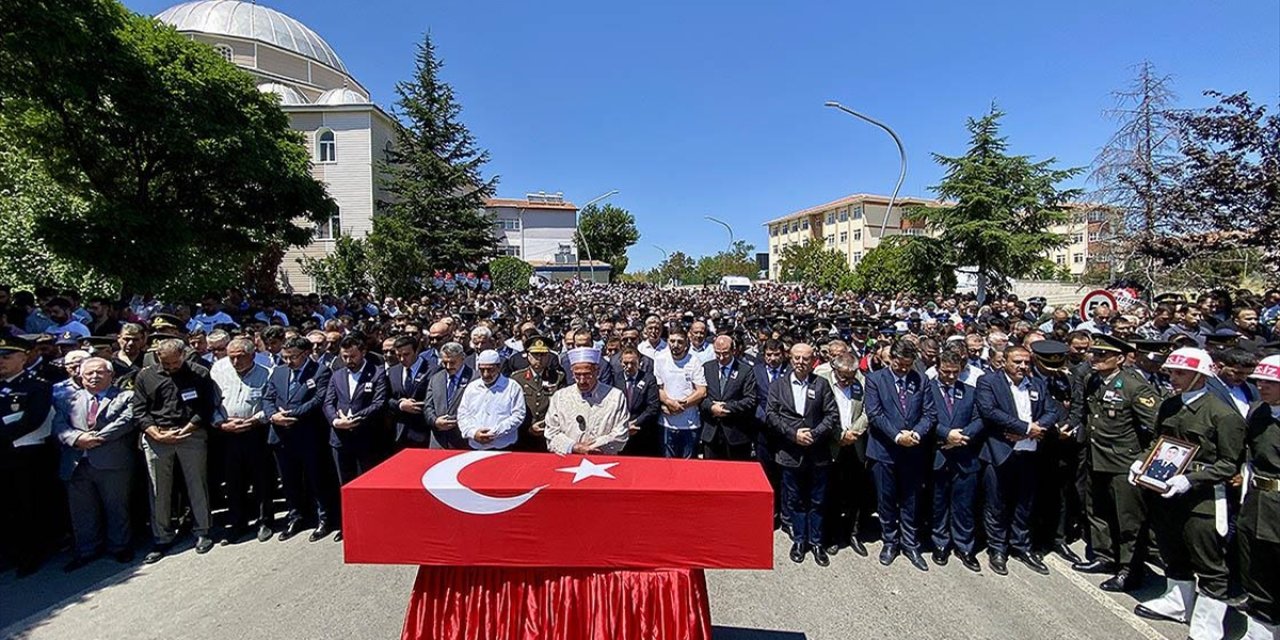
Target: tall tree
{"x": 187, "y": 171}
{"x": 677, "y": 268}
{"x": 737, "y": 260}
{"x": 433, "y": 171}
{"x": 1133, "y": 178}
{"x": 1003, "y": 211}
{"x": 343, "y": 271}
{"x": 893, "y": 266}
{"x": 813, "y": 264}
{"x": 608, "y": 231}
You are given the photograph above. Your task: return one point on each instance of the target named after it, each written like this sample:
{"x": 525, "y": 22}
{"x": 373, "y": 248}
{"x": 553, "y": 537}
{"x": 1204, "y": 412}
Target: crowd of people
{"x": 938, "y": 425}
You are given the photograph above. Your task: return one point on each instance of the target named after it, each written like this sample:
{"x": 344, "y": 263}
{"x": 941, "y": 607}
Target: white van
{"x": 736, "y": 283}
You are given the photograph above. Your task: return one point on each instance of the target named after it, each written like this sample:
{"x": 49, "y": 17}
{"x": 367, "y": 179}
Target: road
{"x": 298, "y": 589}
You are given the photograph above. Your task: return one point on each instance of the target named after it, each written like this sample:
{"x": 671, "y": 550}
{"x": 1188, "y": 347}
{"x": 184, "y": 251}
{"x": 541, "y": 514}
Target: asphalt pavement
{"x": 298, "y": 589}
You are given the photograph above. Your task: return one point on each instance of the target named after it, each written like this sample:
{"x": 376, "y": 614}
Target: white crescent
{"x": 441, "y": 481}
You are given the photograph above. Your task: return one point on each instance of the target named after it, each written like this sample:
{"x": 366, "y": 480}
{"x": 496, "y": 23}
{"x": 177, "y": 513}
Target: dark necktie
{"x": 773, "y": 375}
{"x": 902, "y": 393}
{"x": 947, "y": 395}
{"x": 451, "y": 389}
{"x": 631, "y": 385}
{"x": 724, "y": 375}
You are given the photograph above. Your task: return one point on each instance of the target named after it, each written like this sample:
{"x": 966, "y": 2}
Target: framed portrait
{"x": 1168, "y": 458}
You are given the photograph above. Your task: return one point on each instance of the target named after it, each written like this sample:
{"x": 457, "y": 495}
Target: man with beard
{"x": 590, "y": 416}
{"x": 682, "y": 384}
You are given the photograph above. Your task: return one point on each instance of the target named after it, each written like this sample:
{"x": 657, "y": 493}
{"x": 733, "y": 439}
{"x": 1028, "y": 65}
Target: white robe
{"x": 605, "y": 414}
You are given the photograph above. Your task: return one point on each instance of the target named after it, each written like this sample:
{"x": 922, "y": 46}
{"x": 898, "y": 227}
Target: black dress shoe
{"x": 888, "y": 554}
{"x": 292, "y": 529}
{"x": 940, "y": 557}
{"x": 265, "y": 532}
{"x": 204, "y": 544}
{"x": 1066, "y": 553}
{"x": 797, "y": 552}
{"x": 1124, "y": 580}
{"x": 832, "y": 549}
{"x": 337, "y": 536}
{"x": 999, "y": 564}
{"x": 970, "y": 562}
{"x": 233, "y": 535}
{"x": 1032, "y": 561}
{"x": 857, "y": 546}
{"x": 78, "y": 562}
{"x": 1094, "y": 566}
{"x": 820, "y": 556}
{"x": 157, "y": 552}
{"x": 786, "y": 528}
{"x": 123, "y": 556}
{"x": 322, "y": 531}
{"x": 916, "y": 559}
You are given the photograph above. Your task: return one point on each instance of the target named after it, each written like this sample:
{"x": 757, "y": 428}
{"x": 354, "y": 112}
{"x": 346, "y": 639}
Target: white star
{"x": 588, "y": 469}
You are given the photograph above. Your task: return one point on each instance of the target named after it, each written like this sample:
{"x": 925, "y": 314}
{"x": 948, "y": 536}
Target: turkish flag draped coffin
{"x": 490, "y": 508}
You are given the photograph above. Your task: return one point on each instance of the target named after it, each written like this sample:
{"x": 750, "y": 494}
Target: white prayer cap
{"x": 589, "y": 355}
{"x": 488, "y": 356}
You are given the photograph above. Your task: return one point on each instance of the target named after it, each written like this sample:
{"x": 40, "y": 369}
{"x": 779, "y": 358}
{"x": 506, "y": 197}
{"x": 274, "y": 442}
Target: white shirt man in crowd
{"x": 492, "y": 406}
{"x": 247, "y": 459}
{"x": 681, "y": 386}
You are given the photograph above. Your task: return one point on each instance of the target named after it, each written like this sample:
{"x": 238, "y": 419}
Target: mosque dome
{"x": 341, "y": 96}
{"x": 288, "y": 95}
{"x": 252, "y": 22}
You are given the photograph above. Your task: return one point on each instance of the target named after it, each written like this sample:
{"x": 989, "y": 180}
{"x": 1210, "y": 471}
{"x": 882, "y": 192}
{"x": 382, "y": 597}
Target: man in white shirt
{"x": 698, "y": 345}
{"x": 653, "y": 344}
{"x": 210, "y": 316}
{"x": 682, "y": 384}
{"x": 492, "y": 406}
{"x": 59, "y": 312}
{"x": 243, "y": 428}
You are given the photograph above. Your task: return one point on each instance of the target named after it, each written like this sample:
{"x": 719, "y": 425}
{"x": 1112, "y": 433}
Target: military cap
{"x": 1265, "y": 347}
{"x": 15, "y": 344}
{"x": 1051, "y": 354}
{"x": 1179, "y": 338}
{"x": 1037, "y": 300}
{"x": 37, "y": 339}
{"x": 1105, "y": 342}
{"x": 98, "y": 342}
{"x": 166, "y": 321}
{"x": 1170, "y": 297}
{"x": 67, "y": 338}
{"x": 537, "y": 344}
{"x": 1154, "y": 350}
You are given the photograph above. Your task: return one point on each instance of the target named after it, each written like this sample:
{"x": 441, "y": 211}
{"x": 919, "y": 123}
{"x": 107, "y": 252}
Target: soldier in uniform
{"x": 25, "y": 402}
{"x": 1149, "y": 356}
{"x": 538, "y": 381}
{"x": 1190, "y": 517}
{"x": 1061, "y": 500}
{"x": 1117, "y": 407}
{"x": 1259, "y": 522}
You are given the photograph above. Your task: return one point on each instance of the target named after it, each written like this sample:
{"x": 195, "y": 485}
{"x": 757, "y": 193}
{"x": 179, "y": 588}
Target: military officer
{"x": 1190, "y": 517}
{"x": 538, "y": 381}
{"x": 1061, "y": 499}
{"x": 1148, "y": 357}
{"x": 1259, "y": 522}
{"x": 1119, "y": 408}
{"x": 25, "y": 402}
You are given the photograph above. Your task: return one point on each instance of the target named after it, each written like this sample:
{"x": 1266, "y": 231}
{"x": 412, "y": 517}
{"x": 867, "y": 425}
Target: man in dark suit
{"x": 443, "y": 393}
{"x": 630, "y": 338}
{"x": 354, "y": 407}
{"x": 772, "y": 365}
{"x": 293, "y": 403}
{"x": 1017, "y": 413}
{"x": 728, "y": 410}
{"x": 900, "y": 414}
{"x": 403, "y": 379}
{"x": 803, "y": 415}
{"x": 641, "y": 391}
{"x": 955, "y": 462}
{"x": 1232, "y": 385}
{"x": 93, "y": 425}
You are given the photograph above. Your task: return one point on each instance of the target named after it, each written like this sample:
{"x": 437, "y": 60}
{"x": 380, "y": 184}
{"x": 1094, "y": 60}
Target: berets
{"x": 1051, "y": 354}
{"x": 16, "y": 344}
{"x": 1106, "y": 342}
{"x": 537, "y": 344}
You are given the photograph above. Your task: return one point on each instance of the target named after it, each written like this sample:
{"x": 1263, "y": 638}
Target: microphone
{"x": 582, "y": 423}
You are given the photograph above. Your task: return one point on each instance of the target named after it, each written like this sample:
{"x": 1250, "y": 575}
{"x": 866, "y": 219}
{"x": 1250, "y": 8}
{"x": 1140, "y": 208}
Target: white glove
{"x": 1134, "y": 470}
{"x": 1177, "y": 485}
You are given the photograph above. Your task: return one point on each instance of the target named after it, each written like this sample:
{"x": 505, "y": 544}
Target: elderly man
{"x": 173, "y": 404}
{"x": 492, "y": 407}
{"x": 589, "y": 417}
{"x": 729, "y": 407}
{"x": 443, "y": 393}
{"x": 582, "y": 338}
{"x": 247, "y": 458}
{"x": 848, "y": 492}
{"x": 93, "y": 424}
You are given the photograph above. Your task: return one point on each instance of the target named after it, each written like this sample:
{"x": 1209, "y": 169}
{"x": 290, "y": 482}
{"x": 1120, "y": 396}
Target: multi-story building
{"x": 538, "y": 228}
{"x": 852, "y": 226}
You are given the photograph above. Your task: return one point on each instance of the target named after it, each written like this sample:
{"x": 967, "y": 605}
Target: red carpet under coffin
{"x": 481, "y": 603}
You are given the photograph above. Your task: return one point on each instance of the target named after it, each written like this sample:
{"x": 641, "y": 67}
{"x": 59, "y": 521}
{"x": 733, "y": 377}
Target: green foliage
{"x": 678, "y": 268}
{"x": 608, "y": 231}
{"x": 434, "y": 171}
{"x": 343, "y": 271}
{"x": 738, "y": 260}
{"x": 889, "y": 268}
{"x": 1004, "y": 208}
{"x": 396, "y": 261}
{"x": 813, "y": 264}
{"x": 187, "y": 172}
{"x": 509, "y": 274}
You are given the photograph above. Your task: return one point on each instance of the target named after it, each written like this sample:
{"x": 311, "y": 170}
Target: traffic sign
{"x": 1095, "y": 298}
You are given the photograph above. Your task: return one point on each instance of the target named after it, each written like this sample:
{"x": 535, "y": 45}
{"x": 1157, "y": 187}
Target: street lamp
{"x": 665, "y": 256}
{"x": 576, "y": 221}
{"x": 726, "y": 227}
{"x": 902, "y": 156}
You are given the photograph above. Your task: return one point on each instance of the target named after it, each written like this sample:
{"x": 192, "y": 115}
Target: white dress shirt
{"x": 799, "y": 392}
{"x": 1022, "y": 400}
{"x": 498, "y": 408}
{"x": 241, "y": 395}
{"x": 650, "y": 350}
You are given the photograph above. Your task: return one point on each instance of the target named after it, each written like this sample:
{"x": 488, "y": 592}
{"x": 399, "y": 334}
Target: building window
{"x": 913, "y": 232}
{"x": 857, "y": 257}
{"x": 331, "y": 229}
{"x": 857, "y": 235}
{"x": 805, "y": 224}
{"x": 1060, "y": 259}
{"x": 857, "y": 212}
{"x": 831, "y": 240}
{"x": 513, "y": 251}
{"x": 831, "y": 218}
{"x": 844, "y": 215}
{"x": 507, "y": 224}
{"x": 326, "y": 146}
{"x": 844, "y": 237}
{"x": 1077, "y": 258}
{"x": 224, "y": 51}
{"x": 1077, "y": 238}
{"x": 773, "y": 230}
{"x": 564, "y": 255}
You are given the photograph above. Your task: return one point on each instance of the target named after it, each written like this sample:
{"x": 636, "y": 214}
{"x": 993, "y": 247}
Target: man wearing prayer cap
{"x": 492, "y": 408}
{"x": 589, "y": 417}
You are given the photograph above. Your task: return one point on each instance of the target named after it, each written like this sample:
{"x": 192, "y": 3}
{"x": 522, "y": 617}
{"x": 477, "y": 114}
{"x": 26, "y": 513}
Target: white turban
{"x": 589, "y": 355}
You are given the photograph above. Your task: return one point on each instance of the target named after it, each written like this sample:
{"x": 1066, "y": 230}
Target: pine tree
{"x": 1003, "y": 208}
{"x": 433, "y": 171}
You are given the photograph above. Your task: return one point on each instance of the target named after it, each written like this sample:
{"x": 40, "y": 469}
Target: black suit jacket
{"x": 738, "y": 392}
{"x": 302, "y": 399}
{"x": 644, "y": 409}
{"x": 369, "y": 402}
{"x": 821, "y": 415}
{"x": 434, "y": 395}
{"x": 407, "y": 427}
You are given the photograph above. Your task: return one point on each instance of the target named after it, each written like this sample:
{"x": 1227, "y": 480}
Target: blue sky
{"x": 715, "y": 108}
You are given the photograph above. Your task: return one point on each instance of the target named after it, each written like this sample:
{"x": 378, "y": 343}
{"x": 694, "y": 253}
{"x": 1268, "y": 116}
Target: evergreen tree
{"x": 1003, "y": 209}
{"x": 434, "y": 172}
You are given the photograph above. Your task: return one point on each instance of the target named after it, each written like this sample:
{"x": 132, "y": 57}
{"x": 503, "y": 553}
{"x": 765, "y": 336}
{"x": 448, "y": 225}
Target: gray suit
{"x": 436, "y": 403}
{"x": 98, "y": 479}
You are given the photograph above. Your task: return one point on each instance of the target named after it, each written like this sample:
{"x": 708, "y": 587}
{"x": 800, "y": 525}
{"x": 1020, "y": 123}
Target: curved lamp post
{"x": 726, "y": 228}
{"x": 902, "y": 156}
{"x": 577, "y": 220}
